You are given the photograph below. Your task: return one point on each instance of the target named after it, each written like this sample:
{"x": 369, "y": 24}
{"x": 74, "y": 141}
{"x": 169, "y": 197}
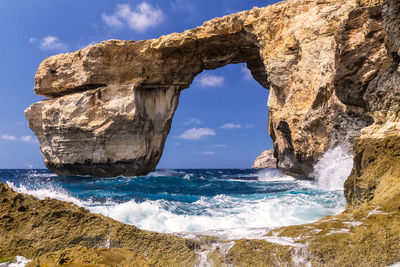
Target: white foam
{"x": 353, "y": 223}
{"x": 19, "y": 262}
{"x": 340, "y": 231}
{"x": 203, "y": 261}
{"x": 223, "y": 216}
{"x": 333, "y": 168}
{"x": 223, "y": 250}
{"x": 231, "y": 234}
{"x": 301, "y": 258}
{"x": 164, "y": 172}
{"x": 35, "y": 174}
{"x": 271, "y": 175}
{"x": 284, "y": 241}
{"x": 51, "y": 192}
{"x": 375, "y": 212}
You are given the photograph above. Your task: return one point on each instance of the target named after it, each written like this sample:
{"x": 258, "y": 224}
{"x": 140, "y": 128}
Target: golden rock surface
{"x": 112, "y": 103}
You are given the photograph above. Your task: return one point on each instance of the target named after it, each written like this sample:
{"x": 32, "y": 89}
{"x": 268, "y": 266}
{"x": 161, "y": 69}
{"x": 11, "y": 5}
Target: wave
{"x": 165, "y": 201}
{"x": 166, "y": 173}
{"x": 19, "y": 262}
{"x": 271, "y": 175}
{"x": 225, "y": 216}
{"x": 32, "y": 174}
{"x": 332, "y": 170}
{"x": 51, "y": 192}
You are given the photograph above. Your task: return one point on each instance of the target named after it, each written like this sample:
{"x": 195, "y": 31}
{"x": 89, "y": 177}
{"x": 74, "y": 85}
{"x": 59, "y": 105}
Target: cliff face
{"x": 265, "y": 160}
{"x": 376, "y": 171}
{"x": 112, "y": 103}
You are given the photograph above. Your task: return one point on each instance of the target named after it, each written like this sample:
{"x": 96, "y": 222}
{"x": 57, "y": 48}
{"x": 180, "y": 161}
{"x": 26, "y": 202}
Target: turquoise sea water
{"x": 230, "y": 203}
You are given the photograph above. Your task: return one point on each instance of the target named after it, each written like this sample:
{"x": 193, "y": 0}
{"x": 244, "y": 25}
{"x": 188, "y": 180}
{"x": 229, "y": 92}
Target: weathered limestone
{"x": 376, "y": 171}
{"x": 112, "y": 103}
{"x": 265, "y": 160}
{"x": 30, "y": 227}
{"x": 116, "y": 130}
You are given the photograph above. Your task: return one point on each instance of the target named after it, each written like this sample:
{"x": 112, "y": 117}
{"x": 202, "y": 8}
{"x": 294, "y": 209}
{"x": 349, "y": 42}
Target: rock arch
{"x": 112, "y": 103}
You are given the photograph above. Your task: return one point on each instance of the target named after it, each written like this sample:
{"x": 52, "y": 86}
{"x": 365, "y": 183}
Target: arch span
{"x": 112, "y": 103}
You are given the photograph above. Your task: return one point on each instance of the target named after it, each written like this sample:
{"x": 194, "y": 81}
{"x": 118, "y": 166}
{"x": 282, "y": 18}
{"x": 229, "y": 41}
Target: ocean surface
{"x": 229, "y": 203}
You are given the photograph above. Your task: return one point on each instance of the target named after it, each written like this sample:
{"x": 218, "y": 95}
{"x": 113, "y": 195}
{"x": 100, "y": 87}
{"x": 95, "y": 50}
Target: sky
{"x": 221, "y": 120}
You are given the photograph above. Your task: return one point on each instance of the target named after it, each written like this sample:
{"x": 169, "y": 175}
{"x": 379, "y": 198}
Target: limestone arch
{"x": 122, "y": 106}
{"x": 111, "y": 103}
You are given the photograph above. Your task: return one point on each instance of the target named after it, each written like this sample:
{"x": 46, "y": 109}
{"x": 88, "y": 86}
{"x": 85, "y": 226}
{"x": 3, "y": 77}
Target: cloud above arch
{"x": 196, "y": 133}
{"x": 143, "y": 17}
{"x": 210, "y": 80}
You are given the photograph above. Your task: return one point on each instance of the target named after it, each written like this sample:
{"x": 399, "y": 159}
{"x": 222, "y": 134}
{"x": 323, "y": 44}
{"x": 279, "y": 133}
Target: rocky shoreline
{"x": 53, "y": 232}
{"x": 56, "y": 233}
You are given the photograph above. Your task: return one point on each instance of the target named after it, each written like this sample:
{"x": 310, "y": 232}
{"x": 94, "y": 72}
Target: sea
{"x": 228, "y": 203}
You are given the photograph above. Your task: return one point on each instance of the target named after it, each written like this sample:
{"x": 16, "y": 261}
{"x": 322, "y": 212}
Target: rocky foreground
{"x": 56, "y": 233}
{"x": 53, "y": 233}
{"x": 333, "y": 71}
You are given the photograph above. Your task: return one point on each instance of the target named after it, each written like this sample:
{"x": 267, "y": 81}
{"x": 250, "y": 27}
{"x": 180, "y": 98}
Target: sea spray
{"x": 333, "y": 168}
{"x": 19, "y": 262}
{"x": 49, "y": 191}
{"x": 270, "y": 175}
{"x": 226, "y": 203}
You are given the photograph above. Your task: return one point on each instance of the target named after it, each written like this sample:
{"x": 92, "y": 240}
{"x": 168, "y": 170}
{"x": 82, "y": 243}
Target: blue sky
{"x": 221, "y": 121}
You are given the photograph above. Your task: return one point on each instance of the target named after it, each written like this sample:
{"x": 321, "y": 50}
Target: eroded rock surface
{"x": 30, "y": 227}
{"x": 265, "y": 160}
{"x": 112, "y": 103}
{"x": 376, "y": 171}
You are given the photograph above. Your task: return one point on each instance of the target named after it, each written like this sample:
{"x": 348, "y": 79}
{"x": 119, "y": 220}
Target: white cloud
{"x": 8, "y": 137}
{"x": 197, "y": 133}
{"x": 140, "y": 19}
{"x": 220, "y": 145}
{"x": 28, "y": 139}
{"x": 230, "y": 126}
{"x": 32, "y": 40}
{"x": 208, "y": 153}
{"x": 112, "y": 20}
{"x": 184, "y": 5}
{"x": 209, "y": 80}
{"x": 193, "y": 121}
{"x": 246, "y": 73}
{"x": 250, "y": 126}
{"x": 51, "y": 43}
